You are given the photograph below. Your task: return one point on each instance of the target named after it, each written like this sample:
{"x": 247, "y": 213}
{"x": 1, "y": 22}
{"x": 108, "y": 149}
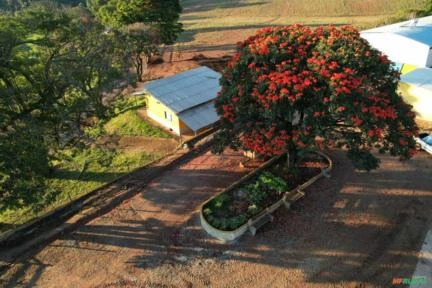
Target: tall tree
{"x": 287, "y": 88}
{"x": 53, "y": 68}
{"x": 145, "y": 24}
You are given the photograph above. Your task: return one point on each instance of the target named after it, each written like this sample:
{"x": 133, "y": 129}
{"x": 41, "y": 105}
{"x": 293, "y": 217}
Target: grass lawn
{"x": 215, "y": 23}
{"x": 130, "y": 124}
{"x": 70, "y": 180}
{"x": 83, "y": 170}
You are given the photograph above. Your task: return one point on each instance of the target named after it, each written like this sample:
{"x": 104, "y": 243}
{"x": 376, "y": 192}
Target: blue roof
{"x": 200, "y": 116}
{"x": 185, "y": 90}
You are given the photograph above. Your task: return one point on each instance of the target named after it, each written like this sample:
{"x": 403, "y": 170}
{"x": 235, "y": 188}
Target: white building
{"x": 416, "y": 89}
{"x": 408, "y": 42}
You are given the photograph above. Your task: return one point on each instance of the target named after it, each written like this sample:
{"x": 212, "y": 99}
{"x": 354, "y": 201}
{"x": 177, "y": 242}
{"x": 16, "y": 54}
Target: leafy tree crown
{"x": 293, "y": 88}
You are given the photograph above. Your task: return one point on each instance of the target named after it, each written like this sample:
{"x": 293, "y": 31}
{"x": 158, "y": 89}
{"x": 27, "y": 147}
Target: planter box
{"x": 286, "y": 200}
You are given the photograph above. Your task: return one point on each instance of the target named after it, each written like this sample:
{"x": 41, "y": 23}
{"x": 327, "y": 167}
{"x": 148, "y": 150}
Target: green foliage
{"x": 23, "y": 164}
{"x": 162, "y": 15}
{"x": 79, "y": 171}
{"x": 55, "y": 66}
{"x": 273, "y": 182}
{"x": 207, "y": 211}
{"x": 221, "y": 200}
{"x": 230, "y": 223}
{"x": 256, "y": 193}
{"x": 253, "y": 209}
{"x": 142, "y": 24}
{"x": 96, "y": 130}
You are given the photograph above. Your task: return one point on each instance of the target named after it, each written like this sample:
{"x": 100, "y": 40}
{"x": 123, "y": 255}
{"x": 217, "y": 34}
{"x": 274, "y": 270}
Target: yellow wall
{"x": 406, "y": 68}
{"x": 419, "y": 98}
{"x": 156, "y": 110}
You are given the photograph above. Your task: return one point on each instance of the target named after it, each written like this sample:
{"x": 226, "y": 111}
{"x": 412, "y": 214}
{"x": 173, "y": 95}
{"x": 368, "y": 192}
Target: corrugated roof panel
{"x": 199, "y": 117}
{"x": 185, "y": 90}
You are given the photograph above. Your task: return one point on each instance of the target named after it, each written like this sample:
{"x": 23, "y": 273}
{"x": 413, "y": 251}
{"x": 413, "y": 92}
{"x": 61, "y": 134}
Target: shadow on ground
{"x": 355, "y": 228}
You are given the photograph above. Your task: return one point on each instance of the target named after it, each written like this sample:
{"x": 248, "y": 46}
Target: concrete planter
{"x": 287, "y": 199}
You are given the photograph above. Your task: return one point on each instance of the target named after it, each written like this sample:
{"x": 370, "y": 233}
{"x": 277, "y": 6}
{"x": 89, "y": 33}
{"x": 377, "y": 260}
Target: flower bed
{"x": 257, "y": 192}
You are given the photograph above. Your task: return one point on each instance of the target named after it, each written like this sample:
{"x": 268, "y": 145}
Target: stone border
{"x": 288, "y": 198}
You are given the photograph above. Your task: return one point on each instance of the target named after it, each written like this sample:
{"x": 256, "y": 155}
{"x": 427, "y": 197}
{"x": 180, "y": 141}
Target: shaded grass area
{"x": 82, "y": 171}
{"x": 130, "y": 124}
{"x": 216, "y": 22}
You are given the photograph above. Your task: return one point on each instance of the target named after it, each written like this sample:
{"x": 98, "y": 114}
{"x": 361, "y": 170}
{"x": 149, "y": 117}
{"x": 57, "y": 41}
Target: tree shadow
{"x": 354, "y": 227}
{"x": 86, "y": 175}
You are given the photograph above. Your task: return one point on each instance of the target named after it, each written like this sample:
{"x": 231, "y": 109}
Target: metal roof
{"x": 421, "y": 77}
{"x": 200, "y": 116}
{"x": 419, "y": 30}
{"x": 185, "y": 90}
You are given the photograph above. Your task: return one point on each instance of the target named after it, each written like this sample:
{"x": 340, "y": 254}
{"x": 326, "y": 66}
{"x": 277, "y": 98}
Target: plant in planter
{"x": 260, "y": 190}
{"x": 293, "y": 88}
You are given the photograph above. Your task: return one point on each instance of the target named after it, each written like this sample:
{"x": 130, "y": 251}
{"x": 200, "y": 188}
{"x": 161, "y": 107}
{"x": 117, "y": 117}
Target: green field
{"x": 216, "y": 24}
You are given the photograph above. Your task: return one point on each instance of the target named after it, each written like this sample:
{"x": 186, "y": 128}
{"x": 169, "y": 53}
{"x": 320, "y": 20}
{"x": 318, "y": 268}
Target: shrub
{"x": 273, "y": 182}
{"x": 207, "y": 211}
{"x": 256, "y": 194}
{"x": 221, "y": 200}
{"x": 253, "y": 209}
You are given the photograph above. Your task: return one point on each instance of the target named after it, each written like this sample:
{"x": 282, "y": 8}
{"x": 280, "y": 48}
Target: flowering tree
{"x": 293, "y": 88}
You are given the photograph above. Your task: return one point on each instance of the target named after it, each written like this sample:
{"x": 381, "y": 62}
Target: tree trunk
{"x": 139, "y": 67}
{"x": 291, "y": 158}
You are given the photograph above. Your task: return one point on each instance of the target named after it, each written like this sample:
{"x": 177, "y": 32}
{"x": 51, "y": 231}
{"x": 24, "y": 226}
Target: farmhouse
{"x": 183, "y": 103}
{"x": 408, "y": 42}
{"x": 416, "y": 88}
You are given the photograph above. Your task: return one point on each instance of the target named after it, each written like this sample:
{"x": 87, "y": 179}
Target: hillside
{"x": 217, "y": 24}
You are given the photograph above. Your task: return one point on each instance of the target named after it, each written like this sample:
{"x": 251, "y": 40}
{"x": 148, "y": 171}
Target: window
{"x": 166, "y": 115}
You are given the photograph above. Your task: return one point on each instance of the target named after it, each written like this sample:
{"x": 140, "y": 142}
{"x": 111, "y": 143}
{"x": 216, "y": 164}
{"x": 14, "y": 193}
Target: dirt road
{"x": 353, "y": 230}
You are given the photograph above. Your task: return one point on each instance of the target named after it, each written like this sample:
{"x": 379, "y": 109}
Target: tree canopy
{"x": 144, "y": 25}
{"x": 293, "y": 88}
{"x": 53, "y": 70}
{"x": 162, "y": 15}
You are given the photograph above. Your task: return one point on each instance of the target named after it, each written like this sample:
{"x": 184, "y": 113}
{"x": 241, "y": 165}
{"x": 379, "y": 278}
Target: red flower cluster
{"x": 287, "y": 78}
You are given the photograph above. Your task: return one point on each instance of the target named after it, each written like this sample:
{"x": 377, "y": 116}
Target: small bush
{"x": 207, "y": 211}
{"x": 256, "y": 193}
{"x": 253, "y": 209}
{"x": 273, "y": 182}
{"x": 221, "y": 200}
